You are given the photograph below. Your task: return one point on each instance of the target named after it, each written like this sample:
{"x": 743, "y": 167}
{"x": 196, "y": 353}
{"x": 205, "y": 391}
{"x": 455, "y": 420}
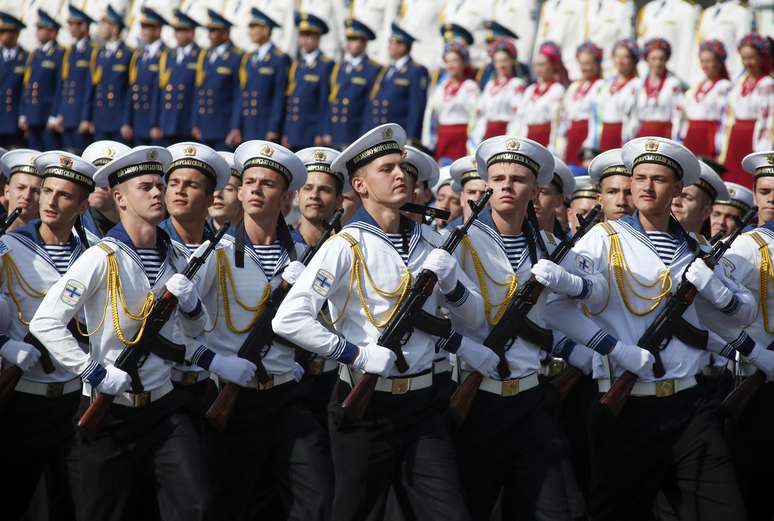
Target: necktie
{"x": 390, "y": 71}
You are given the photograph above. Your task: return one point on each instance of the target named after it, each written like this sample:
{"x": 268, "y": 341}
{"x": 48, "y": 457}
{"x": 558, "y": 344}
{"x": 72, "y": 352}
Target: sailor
{"x": 11, "y": 79}
{"x": 225, "y": 206}
{"x": 447, "y": 197}
{"x": 551, "y": 197}
{"x": 693, "y": 206}
{"x": 725, "y": 212}
{"x": 583, "y": 199}
{"x": 23, "y": 187}
{"x": 613, "y": 180}
{"x": 102, "y": 213}
{"x": 468, "y": 182}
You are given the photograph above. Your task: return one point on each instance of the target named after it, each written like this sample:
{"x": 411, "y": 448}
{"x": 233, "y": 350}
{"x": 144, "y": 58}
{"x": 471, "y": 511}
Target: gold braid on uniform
{"x": 226, "y": 280}
{"x": 482, "y": 275}
{"x": 116, "y": 294}
{"x": 11, "y": 272}
{"x": 766, "y": 275}
{"x": 358, "y": 262}
{"x": 624, "y": 278}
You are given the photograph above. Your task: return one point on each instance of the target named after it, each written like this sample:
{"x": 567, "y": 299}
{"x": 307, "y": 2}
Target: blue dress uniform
{"x": 263, "y": 77}
{"x": 11, "y": 78}
{"x": 217, "y": 98}
{"x": 77, "y": 63}
{"x": 109, "y": 86}
{"x": 352, "y": 82}
{"x": 41, "y": 83}
{"x": 308, "y": 90}
{"x": 142, "y": 105}
{"x": 399, "y": 94}
{"x": 177, "y": 78}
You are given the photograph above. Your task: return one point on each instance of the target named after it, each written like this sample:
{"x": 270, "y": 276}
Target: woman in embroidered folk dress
{"x": 452, "y": 106}
{"x": 705, "y": 103}
{"x": 661, "y": 95}
{"x": 578, "y": 100}
{"x": 748, "y": 118}
{"x": 502, "y": 94}
{"x": 611, "y": 122}
{"x": 538, "y": 113}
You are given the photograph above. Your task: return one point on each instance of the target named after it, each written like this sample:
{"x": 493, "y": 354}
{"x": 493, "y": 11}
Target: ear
{"x": 118, "y": 198}
{"x": 359, "y": 186}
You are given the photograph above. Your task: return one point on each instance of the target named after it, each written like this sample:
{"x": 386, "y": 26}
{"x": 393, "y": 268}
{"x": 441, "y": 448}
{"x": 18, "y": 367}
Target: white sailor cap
{"x": 202, "y": 158}
{"x": 319, "y": 159}
{"x": 103, "y": 152}
{"x": 585, "y": 188}
{"x": 738, "y": 196}
{"x": 463, "y": 170}
{"x": 662, "y": 151}
{"x": 67, "y": 166}
{"x": 141, "y": 160}
{"x": 420, "y": 165}
{"x": 377, "y": 142}
{"x": 759, "y": 164}
{"x": 19, "y": 161}
{"x": 563, "y": 178}
{"x": 606, "y": 164}
{"x": 265, "y": 154}
{"x": 229, "y": 157}
{"x": 445, "y": 179}
{"x": 522, "y": 151}
{"x": 711, "y": 183}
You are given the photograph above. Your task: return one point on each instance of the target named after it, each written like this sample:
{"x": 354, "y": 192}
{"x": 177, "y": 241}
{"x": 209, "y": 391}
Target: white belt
{"x": 442, "y": 365}
{"x": 660, "y": 389}
{"x": 136, "y": 400}
{"x": 49, "y": 390}
{"x": 506, "y": 388}
{"x": 189, "y": 377}
{"x": 318, "y": 366}
{"x": 398, "y": 385}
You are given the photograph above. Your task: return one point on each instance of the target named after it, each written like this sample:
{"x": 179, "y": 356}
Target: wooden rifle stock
{"x": 462, "y": 399}
{"x": 566, "y": 381}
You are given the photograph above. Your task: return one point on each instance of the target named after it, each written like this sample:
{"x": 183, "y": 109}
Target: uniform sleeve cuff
{"x": 93, "y": 374}
{"x": 743, "y": 343}
{"x": 450, "y": 344}
{"x": 195, "y": 312}
{"x": 563, "y": 349}
{"x": 203, "y": 357}
{"x": 731, "y": 307}
{"x": 587, "y": 284}
{"x": 345, "y": 352}
{"x": 458, "y": 296}
{"x": 602, "y": 342}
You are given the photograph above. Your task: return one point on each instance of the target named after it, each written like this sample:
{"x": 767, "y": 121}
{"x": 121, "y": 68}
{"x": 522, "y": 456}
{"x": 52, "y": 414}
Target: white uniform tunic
{"x": 675, "y": 21}
{"x": 660, "y": 103}
{"x": 564, "y": 23}
{"x": 498, "y": 103}
{"x": 608, "y": 21}
{"x": 728, "y": 22}
{"x": 614, "y": 106}
{"x": 28, "y": 271}
{"x": 328, "y": 277}
{"x": 85, "y": 286}
{"x": 763, "y": 17}
{"x": 540, "y": 106}
{"x": 705, "y": 104}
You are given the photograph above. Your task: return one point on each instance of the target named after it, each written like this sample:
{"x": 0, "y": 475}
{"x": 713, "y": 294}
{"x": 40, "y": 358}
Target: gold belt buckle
{"x": 189, "y": 377}
{"x": 556, "y": 367}
{"x": 665, "y": 388}
{"x": 140, "y": 399}
{"x": 510, "y": 387}
{"x": 400, "y": 385}
{"x": 315, "y": 367}
{"x": 268, "y": 385}
{"x": 55, "y": 390}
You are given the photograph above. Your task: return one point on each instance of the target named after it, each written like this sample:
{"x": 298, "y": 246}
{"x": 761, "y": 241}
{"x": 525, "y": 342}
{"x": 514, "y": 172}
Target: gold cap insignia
{"x": 189, "y": 150}
{"x": 404, "y": 153}
{"x": 320, "y": 155}
{"x": 732, "y": 191}
{"x": 473, "y": 161}
{"x": 109, "y": 152}
{"x": 512, "y": 144}
{"x": 651, "y": 146}
{"x": 152, "y": 155}
{"x": 770, "y": 158}
{"x": 387, "y": 133}
{"x": 266, "y": 150}
{"x": 65, "y": 161}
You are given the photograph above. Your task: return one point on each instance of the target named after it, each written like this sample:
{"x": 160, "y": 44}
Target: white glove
{"x": 482, "y": 359}
{"x": 20, "y": 354}
{"x": 374, "y": 359}
{"x": 634, "y": 359}
{"x": 292, "y": 271}
{"x": 444, "y": 266}
{"x": 557, "y": 279}
{"x": 233, "y": 368}
{"x": 710, "y": 287}
{"x": 185, "y": 291}
{"x": 115, "y": 382}
{"x": 763, "y": 359}
{"x": 298, "y": 371}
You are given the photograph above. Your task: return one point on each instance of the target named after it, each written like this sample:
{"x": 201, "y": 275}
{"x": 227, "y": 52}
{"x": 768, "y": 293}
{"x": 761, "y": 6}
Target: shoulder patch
{"x": 72, "y": 292}
{"x": 584, "y": 264}
{"x": 728, "y": 266}
{"x": 322, "y": 282}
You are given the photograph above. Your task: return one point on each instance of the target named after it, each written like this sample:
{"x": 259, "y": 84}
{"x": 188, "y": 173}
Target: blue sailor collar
{"x": 297, "y": 237}
{"x": 118, "y": 234}
{"x": 169, "y": 228}
{"x": 632, "y": 223}
{"x": 487, "y": 225}
{"x": 29, "y": 236}
{"x": 250, "y": 251}
{"x": 363, "y": 221}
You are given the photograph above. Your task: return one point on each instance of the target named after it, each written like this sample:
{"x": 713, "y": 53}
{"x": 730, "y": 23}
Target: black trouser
{"x": 673, "y": 443}
{"x": 36, "y": 435}
{"x": 271, "y": 446}
{"x": 159, "y": 436}
{"x": 314, "y": 392}
{"x": 515, "y": 445}
{"x": 196, "y": 399}
{"x": 751, "y": 442}
{"x": 402, "y": 441}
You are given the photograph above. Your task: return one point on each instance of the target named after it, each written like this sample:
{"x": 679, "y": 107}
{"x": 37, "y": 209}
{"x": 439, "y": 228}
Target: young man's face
{"x": 355, "y": 46}
{"x": 397, "y": 49}
{"x": 513, "y": 186}
{"x": 61, "y": 202}
{"x": 188, "y": 194}
{"x": 8, "y": 39}
{"x": 580, "y": 206}
{"x": 548, "y": 199}
{"x": 45, "y": 34}
{"x": 653, "y": 188}
{"x": 141, "y": 198}
{"x": 723, "y": 219}
{"x": 471, "y": 191}
{"x": 263, "y": 192}
{"x": 217, "y": 37}
{"x": 259, "y": 33}
{"x": 383, "y": 181}
{"x": 691, "y": 208}
{"x": 78, "y": 30}
{"x": 318, "y": 199}
{"x": 764, "y": 198}
{"x": 615, "y": 196}
{"x": 23, "y": 191}
{"x": 150, "y": 33}
{"x": 309, "y": 41}
{"x": 447, "y": 199}
{"x": 184, "y": 37}
{"x": 225, "y": 203}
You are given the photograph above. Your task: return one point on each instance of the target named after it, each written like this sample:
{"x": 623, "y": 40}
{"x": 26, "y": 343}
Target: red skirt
{"x": 495, "y": 128}
{"x": 576, "y": 135}
{"x": 540, "y": 133}
{"x": 700, "y": 137}
{"x": 656, "y": 129}
{"x": 452, "y": 141}
{"x": 611, "y": 136}
{"x": 740, "y": 143}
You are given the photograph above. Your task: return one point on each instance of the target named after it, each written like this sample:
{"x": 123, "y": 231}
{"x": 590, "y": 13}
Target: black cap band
{"x": 23, "y": 169}
{"x": 371, "y": 154}
{"x": 736, "y": 204}
{"x": 707, "y": 188}
{"x": 514, "y": 157}
{"x": 764, "y": 171}
{"x": 271, "y": 164}
{"x": 196, "y": 164}
{"x": 584, "y": 194}
{"x": 411, "y": 170}
{"x": 615, "y": 170}
{"x": 128, "y": 172}
{"x": 70, "y": 175}
{"x": 660, "y": 159}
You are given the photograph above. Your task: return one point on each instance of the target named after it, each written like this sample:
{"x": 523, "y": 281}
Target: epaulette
{"x": 107, "y": 246}
{"x": 237, "y": 50}
{"x": 324, "y": 58}
{"x": 374, "y": 63}
{"x": 277, "y": 52}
